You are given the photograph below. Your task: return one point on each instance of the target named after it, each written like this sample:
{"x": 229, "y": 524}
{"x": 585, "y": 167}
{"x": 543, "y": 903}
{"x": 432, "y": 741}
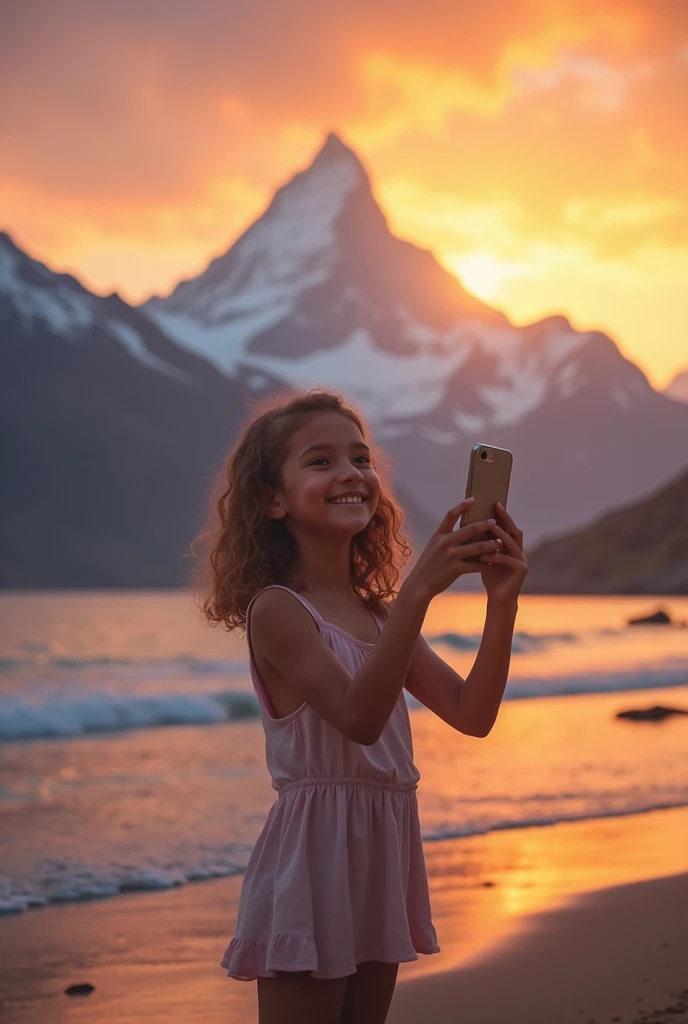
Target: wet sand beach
{"x": 614, "y": 955}
{"x": 520, "y": 943}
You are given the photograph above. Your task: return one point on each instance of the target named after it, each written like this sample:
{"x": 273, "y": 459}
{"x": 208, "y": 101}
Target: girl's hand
{"x": 443, "y": 559}
{"x": 504, "y": 574}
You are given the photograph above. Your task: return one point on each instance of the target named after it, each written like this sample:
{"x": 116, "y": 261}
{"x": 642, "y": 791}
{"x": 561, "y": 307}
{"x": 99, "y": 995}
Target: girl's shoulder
{"x": 275, "y": 601}
{"x": 278, "y": 603}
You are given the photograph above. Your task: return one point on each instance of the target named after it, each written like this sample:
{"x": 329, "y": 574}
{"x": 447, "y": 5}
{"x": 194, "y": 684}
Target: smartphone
{"x": 489, "y": 472}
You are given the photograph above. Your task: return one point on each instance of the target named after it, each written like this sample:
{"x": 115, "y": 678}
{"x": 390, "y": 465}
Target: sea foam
{"x": 78, "y": 713}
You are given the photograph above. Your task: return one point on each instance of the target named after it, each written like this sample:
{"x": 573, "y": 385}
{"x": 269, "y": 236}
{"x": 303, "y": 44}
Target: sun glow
{"x": 479, "y": 272}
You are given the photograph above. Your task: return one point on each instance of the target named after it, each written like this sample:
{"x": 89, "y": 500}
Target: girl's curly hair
{"x": 241, "y": 550}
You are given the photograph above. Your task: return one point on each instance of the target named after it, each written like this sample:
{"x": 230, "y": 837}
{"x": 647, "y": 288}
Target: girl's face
{"x": 328, "y": 483}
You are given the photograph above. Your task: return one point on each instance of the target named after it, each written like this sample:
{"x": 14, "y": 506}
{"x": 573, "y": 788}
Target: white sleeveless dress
{"x": 337, "y": 875}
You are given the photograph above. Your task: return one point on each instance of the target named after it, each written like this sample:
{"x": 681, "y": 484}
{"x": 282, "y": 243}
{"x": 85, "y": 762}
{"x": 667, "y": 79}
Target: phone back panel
{"x": 489, "y": 472}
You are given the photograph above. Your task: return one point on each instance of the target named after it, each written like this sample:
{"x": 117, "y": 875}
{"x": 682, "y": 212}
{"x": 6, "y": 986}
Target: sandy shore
{"x": 581, "y": 921}
{"x": 614, "y": 955}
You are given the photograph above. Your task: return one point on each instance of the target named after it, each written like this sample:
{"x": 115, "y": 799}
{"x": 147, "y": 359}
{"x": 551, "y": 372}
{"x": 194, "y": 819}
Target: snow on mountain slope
{"x": 38, "y": 294}
{"x": 288, "y": 251}
{"x": 38, "y": 297}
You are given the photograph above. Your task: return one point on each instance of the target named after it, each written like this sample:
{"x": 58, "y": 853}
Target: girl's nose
{"x": 352, "y": 473}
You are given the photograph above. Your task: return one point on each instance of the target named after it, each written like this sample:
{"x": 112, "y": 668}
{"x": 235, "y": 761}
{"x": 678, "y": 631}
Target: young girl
{"x": 306, "y": 556}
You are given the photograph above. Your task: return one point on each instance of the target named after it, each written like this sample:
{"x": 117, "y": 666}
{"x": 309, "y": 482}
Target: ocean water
{"x": 131, "y": 755}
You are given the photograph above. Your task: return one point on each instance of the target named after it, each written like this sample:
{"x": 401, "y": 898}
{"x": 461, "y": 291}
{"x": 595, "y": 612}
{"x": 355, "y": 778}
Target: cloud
{"x": 453, "y": 221}
{"x": 141, "y": 136}
{"x": 602, "y": 212}
{"x": 142, "y": 98}
{"x": 601, "y": 84}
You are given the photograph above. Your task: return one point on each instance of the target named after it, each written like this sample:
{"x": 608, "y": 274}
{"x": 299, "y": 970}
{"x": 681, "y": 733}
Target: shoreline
{"x": 155, "y": 955}
{"x": 429, "y": 843}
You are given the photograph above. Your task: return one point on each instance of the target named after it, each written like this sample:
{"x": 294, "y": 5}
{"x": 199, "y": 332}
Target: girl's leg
{"x": 294, "y": 997}
{"x": 369, "y": 993}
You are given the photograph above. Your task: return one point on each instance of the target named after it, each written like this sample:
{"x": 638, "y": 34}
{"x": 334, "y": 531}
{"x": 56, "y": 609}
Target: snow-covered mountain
{"x": 35, "y": 299}
{"x": 678, "y": 387}
{"x": 319, "y": 292}
{"x": 111, "y": 434}
{"x": 115, "y": 419}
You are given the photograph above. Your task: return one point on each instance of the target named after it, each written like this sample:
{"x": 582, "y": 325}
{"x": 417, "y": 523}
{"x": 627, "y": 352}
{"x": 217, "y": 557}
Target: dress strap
{"x": 306, "y": 604}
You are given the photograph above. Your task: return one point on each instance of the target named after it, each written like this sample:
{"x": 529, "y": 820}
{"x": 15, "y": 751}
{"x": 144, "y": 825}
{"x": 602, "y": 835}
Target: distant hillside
{"x": 678, "y": 388}
{"x": 640, "y": 549}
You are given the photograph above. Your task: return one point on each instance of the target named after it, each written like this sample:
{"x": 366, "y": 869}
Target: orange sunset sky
{"x": 538, "y": 147}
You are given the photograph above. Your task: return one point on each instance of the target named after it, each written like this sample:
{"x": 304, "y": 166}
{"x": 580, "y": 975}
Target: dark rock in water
{"x": 658, "y": 618}
{"x": 83, "y": 989}
{"x": 655, "y": 714}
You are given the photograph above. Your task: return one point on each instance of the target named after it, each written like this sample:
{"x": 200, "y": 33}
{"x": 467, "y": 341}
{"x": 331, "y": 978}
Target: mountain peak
{"x": 334, "y": 150}
{"x": 286, "y": 252}
{"x": 335, "y": 170}
{"x": 335, "y": 162}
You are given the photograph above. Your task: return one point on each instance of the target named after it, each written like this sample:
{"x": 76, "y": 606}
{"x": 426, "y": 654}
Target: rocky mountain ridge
{"x": 117, "y": 417}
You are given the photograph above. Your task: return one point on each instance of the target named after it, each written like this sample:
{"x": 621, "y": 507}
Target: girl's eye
{"x": 321, "y": 460}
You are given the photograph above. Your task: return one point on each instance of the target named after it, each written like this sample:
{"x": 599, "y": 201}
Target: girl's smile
{"x": 348, "y": 499}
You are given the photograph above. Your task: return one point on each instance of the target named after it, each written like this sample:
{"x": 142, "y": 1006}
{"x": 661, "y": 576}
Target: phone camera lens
{"x": 483, "y": 454}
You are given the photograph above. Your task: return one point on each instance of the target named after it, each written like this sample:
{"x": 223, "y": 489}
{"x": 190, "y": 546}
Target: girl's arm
{"x": 358, "y": 706}
{"x": 469, "y": 705}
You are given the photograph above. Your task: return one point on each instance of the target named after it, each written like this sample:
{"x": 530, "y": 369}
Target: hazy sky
{"x": 538, "y": 147}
